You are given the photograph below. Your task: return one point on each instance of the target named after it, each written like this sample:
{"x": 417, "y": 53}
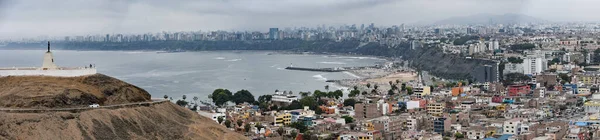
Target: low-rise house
{"x": 475, "y": 133}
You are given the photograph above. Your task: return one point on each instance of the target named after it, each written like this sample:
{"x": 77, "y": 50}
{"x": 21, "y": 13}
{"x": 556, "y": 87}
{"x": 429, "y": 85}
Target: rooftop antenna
{"x": 48, "y": 46}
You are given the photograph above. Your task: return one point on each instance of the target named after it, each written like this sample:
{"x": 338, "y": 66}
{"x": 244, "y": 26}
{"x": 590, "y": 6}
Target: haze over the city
{"x": 33, "y": 18}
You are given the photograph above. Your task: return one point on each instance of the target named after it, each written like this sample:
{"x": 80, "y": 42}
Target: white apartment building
{"x": 279, "y": 97}
{"x": 512, "y": 126}
{"x": 535, "y": 63}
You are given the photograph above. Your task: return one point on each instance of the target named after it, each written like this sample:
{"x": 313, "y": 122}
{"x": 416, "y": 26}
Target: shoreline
{"x": 379, "y": 77}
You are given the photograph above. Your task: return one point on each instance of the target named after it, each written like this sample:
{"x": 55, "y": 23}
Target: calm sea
{"x": 199, "y": 73}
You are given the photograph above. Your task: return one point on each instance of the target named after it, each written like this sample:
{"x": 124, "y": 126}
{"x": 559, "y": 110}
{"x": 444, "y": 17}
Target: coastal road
{"x": 33, "y": 110}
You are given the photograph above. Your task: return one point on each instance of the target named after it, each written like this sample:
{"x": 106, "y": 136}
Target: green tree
{"x": 464, "y": 39}
{"x": 397, "y": 81}
{"x": 220, "y": 120}
{"x": 280, "y": 131}
{"x": 521, "y": 47}
{"x": 391, "y": 92}
{"x": 338, "y": 94}
{"x": 318, "y": 94}
{"x": 309, "y": 101}
{"x": 364, "y": 93}
{"x": 274, "y": 107}
{"x": 375, "y": 87}
{"x": 264, "y": 98}
{"x": 318, "y": 111}
{"x": 182, "y": 103}
{"x": 403, "y": 87}
{"x": 368, "y": 85}
{"x": 184, "y": 97}
{"x": 195, "y": 99}
{"x": 300, "y": 126}
{"x": 327, "y": 87}
{"x": 565, "y": 77}
{"x": 259, "y": 126}
{"x": 243, "y": 96}
{"x": 247, "y": 127}
{"x": 304, "y": 94}
{"x": 294, "y": 134}
{"x": 227, "y": 123}
{"x": 349, "y": 102}
{"x": 354, "y": 93}
{"x": 240, "y": 122}
{"x": 515, "y": 60}
{"x": 263, "y": 106}
{"x": 409, "y": 90}
{"x": 220, "y": 96}
{"x": 348, "y": 119}
{"x": 166, "y": 97}
{"x": 294, "y": 105}
{"x": 402, "y": 107}
{"x": 513, "y": 78}
{"x": 355, "y": 87}
{"x": 195, "y": 107}
{"x": 391, "y": 83}
{"x": 459, "y": 135}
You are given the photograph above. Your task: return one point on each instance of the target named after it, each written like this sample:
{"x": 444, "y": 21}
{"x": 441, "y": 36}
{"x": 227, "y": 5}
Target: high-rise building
{"x": 273, "y": 33}
{"x": 534, "y": 63}
{"x": 496, "y": 45}
{"x": 438, "y": 31}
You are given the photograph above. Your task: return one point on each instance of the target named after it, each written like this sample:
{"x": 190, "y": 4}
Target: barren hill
{"x": 61, "y": 112}
{"x": 61, "y": 92}
{"x": 160, "y": 121}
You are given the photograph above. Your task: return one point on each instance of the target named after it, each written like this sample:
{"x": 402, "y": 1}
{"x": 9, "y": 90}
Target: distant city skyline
{"x": 20, "y": 19}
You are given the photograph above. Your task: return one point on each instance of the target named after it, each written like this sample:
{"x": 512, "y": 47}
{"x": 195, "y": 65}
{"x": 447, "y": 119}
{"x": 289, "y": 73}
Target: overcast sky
{"x": 31, "y": 18}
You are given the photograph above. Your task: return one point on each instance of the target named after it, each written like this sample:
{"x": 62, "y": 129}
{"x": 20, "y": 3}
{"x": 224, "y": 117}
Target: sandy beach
{"x": 379, "y": 77}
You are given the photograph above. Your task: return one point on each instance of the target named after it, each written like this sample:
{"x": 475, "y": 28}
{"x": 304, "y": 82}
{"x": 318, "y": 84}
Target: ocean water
{"x": 200, "y": 73}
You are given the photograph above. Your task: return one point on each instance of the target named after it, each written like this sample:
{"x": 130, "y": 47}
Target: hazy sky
{"x": 31, "y": 18}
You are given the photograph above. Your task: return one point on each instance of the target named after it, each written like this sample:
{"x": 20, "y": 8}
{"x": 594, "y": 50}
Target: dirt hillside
{"x": 62, "y": 92}
{"x": 160, "y": 121}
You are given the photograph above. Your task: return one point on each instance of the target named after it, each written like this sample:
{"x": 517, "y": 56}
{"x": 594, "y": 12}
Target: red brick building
{"x": 498, "y": 99}
{"x": 518, "y": 90}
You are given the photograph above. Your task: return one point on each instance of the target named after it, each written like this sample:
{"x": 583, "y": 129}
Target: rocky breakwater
{"x": 162, "y": 120}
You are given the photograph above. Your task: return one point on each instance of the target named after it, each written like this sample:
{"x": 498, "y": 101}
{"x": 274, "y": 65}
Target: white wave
{"x": 134, "y": 52}
{"x": 155, "y": 73}
{"x": 273, "y": 66}
{"x": 359, "y": 57}
{"x": 344, "y": 89}
{"x": 233, "y": 60}
{"x": 280, "y": 68}
{"x": 352, "y": 74}
{"x": 219, "y": 58}
{"x": 320, "y": 77}
{"x": 336, "y": 63}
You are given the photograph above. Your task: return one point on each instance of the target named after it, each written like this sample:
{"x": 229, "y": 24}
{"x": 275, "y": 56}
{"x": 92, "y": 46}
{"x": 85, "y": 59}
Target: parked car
{"x": 94, "y": 105}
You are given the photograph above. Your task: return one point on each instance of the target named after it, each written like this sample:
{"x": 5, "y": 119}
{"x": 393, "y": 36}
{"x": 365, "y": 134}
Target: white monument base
{"x": 60, "y": 72}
